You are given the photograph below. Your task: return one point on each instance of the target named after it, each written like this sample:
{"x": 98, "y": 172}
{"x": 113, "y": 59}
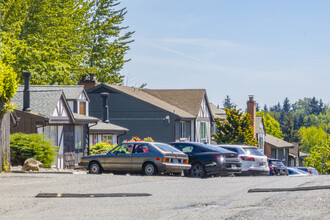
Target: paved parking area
{"x": 171, "y": 197}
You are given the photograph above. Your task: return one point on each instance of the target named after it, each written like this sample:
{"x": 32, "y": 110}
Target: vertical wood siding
{"x": 4, "y": 139}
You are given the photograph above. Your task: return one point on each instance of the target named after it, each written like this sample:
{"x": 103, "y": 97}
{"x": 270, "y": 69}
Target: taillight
{"x": 310, "y": 171}
{"x": 185, "y": 161}
{"x": 215, "y": 156}
{"x": 166, "y": 160}
{"x": 247, "y": 158}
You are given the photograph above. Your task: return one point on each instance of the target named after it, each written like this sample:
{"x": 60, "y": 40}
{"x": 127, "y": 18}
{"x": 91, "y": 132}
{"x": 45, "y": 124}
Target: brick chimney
{"x": 251, "y": 109}
{"x": 88, "y": 83}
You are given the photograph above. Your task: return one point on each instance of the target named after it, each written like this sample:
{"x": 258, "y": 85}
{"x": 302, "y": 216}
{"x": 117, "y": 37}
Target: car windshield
{"x": 167, "y": 148}
{"x": 253, "y": 151}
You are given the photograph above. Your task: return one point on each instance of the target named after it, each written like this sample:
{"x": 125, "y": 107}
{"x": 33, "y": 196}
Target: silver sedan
{"x": 148, "y": 157}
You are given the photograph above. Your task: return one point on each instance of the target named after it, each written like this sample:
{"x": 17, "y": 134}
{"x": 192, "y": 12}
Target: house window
{"x": 71, "y": 105}
{"x": 203, "y": 132}
{"x": 50, "y": 132}
{"x": 183, "y": 129}
{"x": 82, "y": 108}
{"x": 107, "y": 138}
{"x": 78, "y": 137}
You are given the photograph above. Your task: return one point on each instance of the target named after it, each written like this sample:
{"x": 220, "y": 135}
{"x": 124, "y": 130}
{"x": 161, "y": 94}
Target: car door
{"x": 141, "y": 152}
{"x": 120, "y": 159}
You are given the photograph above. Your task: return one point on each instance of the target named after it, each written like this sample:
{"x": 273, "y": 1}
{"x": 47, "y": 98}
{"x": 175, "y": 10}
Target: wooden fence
{"x": 4, "y": 139}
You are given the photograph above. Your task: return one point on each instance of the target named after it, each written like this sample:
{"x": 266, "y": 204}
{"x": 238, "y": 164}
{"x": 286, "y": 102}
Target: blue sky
{"x": 271, "y": 49}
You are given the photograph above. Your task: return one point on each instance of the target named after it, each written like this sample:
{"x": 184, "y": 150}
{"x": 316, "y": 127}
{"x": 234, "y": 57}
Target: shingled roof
{"x": 42, "y": 103}
{"x": 71, "y": 91}
{"x": 157, "y": 98}
{"x": 218, "y": 112}
{"x": 276, "y": 142}
{"x": 189, "y": 100}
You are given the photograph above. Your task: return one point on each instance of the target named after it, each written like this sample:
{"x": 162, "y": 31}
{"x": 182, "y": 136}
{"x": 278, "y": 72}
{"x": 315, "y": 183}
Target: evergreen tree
{"x": 257, "y": 107}
{"x": 314, "y": 106}
{"x": 286, "y": 105}
{"x": 265, "y": 108}
{"x": 227, "y": 103}
{"x": 287, "y": 128}
{"x": 236, "y": 129}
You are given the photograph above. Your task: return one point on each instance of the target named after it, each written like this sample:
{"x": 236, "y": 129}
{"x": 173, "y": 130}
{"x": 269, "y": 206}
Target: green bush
{"x": 24, "y": 146}
{"x": 101, "y": 148}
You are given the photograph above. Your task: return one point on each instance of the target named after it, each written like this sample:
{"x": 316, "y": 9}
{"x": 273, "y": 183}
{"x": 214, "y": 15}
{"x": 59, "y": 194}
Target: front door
{"x": 140, "y": 154}
{"x": 120, "y": 158}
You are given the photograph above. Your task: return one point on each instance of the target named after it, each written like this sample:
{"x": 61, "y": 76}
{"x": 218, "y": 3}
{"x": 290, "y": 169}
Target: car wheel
{"x": 150, "y": 169}
{"x": 197, "y": 170}
{"x": 95, "y": 168}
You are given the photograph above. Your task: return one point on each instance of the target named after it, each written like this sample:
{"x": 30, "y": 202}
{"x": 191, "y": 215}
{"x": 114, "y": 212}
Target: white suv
{"x": 253, "y": 161}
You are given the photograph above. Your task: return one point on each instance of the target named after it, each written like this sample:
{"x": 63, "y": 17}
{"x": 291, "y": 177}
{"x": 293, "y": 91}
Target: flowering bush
{"x": 101, "y": 148}
{"x": 137, "y": 139}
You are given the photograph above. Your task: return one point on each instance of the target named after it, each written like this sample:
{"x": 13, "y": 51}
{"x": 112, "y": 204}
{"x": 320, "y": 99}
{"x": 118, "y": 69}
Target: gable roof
{"x": 276, "y": 142}
{"x": 189, "y": 100}
{"x": 218, "y": 112}
{"x": 42, "y": 103}
{"x": 144, "y": 96}
{"x": 71, "y": 91}
{"x": 260, "y": 127}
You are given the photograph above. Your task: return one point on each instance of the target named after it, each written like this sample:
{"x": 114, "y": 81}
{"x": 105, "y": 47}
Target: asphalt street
{"x": 171, "y": 197}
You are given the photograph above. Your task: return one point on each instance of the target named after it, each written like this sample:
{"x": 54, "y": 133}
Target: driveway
{"x": 172, "y": 197}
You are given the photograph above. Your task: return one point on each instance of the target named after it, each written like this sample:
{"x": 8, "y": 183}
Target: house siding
{"x": 69, "y": 151}
{"x": 142, "y": 119}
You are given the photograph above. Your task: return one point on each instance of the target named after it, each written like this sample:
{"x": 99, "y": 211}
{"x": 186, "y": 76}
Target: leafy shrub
{"x": 24, "y": 146}
{"x": 100, "y": 148}
{"x": 137, "y": 139}
{"x": 7, "y": 87}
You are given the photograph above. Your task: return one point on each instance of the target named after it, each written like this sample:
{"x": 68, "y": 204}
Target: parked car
{"x": 208, "y": 160}
{"x": 279, "y": 167}
{"x": 253, "y": 161}
{"x": 148, "y": 157}
{"x": 292, "y": 171}
{"x": 310, "y": 170}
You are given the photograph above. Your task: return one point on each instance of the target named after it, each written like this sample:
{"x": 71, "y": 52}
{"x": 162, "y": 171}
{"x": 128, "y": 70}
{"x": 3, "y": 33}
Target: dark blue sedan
{"x": 208, "y": 160}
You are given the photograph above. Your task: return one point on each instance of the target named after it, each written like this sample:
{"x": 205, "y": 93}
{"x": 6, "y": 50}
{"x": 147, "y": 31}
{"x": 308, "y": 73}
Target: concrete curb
{"x": 288, "y": 189}
{"x": 87, "y": 195}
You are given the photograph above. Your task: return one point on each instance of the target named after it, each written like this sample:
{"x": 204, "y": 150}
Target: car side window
{"x": 124, "y": 149}
{"x": 187, "y": 148}
{"x": 141, "y": 148}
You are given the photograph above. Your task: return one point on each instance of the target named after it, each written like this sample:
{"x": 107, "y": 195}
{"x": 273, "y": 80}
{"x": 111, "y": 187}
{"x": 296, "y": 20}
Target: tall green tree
{"x": 107, "y": 45}
{"x": 227, "y": 103}
{"x": 287, "y": 127}
{"x": 272, "y": 126}
{"x": 53, "y": 39}
{"x": 236, "y": 129}
{"x": 286, "y": 105}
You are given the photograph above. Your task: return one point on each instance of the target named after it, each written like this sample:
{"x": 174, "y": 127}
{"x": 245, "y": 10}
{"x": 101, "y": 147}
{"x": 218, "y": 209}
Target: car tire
{"x": 95, "y": 168}
{"x": 150, "y": 169}
{"x": 197, "y": 170}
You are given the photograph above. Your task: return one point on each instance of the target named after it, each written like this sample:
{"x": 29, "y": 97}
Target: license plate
{"x": 261, "y": 164}
{"x": 233, "y": 166}
{"x": 175, "y": 161}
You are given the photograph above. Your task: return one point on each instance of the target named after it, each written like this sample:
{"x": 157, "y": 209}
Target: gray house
{"x": 164, "y": 115}
{"x": 61, "y": 113}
